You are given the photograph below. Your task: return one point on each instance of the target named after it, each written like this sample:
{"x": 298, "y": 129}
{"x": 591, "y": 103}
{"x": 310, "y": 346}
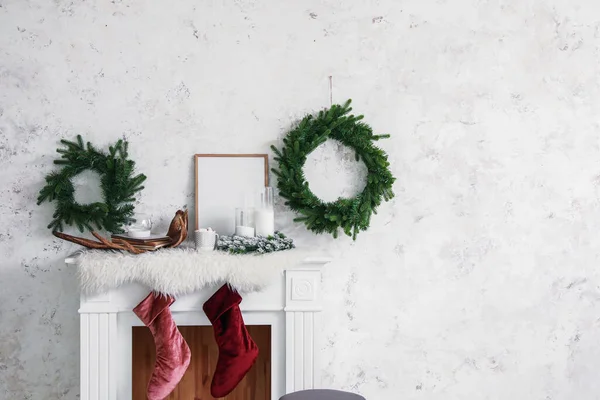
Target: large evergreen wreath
{"x": 117, "y": 181}
{"x": 351, "y": 214}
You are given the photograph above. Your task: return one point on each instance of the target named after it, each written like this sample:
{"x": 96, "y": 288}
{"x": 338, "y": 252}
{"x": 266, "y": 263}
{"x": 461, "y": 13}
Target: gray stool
{"x": 321, "y": 394}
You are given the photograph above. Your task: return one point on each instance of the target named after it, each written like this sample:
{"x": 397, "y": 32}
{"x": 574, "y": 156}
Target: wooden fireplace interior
{"x": 195, "y": 384}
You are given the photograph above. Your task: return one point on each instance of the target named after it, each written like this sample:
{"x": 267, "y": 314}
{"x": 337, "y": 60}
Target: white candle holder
{"x": 244, "y": 222}
{"x": 264, "y": 215}
{"x": 140, "y": 227}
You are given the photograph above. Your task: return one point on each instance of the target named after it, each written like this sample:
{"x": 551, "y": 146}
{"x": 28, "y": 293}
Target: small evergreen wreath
{"x": 351, "y": 214}
{"x": 117, "y": 182}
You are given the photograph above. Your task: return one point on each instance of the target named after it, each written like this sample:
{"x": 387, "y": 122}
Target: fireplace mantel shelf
{"x": 183, "y": 271}
{"x": 291, "y": 305}
{"x": 316, "y": 260}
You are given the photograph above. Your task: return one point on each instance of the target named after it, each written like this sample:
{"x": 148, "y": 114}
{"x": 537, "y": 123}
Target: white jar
{"x": 141, "y": 227}
{"x": 264, "y": 215}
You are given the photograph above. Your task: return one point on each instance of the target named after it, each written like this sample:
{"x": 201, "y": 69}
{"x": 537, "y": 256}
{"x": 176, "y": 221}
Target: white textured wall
{"x": 477, "y": 282}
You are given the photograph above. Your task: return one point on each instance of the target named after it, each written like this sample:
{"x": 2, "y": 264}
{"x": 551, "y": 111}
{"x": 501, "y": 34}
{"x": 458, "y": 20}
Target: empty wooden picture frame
{"x": 222, "y": 182}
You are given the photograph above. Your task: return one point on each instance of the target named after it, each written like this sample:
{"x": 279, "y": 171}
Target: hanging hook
{"x": 330, "y": 90}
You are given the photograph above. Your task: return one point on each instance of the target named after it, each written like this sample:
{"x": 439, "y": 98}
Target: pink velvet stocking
{"x": 172, "y": 352}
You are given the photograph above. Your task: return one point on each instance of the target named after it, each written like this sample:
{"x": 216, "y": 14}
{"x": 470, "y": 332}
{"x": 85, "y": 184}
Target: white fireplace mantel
{"x": 290, "y": 306}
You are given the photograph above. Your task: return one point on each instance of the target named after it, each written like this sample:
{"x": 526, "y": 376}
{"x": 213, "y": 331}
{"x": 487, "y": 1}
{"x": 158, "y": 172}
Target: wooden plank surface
{"x": 195, "y": 384}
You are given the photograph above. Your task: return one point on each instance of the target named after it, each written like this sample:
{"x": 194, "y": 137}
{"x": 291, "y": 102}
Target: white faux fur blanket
{"x": 181, "y": 271}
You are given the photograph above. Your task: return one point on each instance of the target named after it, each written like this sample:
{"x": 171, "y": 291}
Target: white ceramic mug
{"x": 206, "y": 239}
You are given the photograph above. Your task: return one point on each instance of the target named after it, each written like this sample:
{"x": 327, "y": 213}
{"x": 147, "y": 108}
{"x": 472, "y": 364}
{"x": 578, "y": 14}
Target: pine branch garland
{"x": 117, "y": 181}
{"x": 255, "y": 245}
{"x": 351, "y": 215}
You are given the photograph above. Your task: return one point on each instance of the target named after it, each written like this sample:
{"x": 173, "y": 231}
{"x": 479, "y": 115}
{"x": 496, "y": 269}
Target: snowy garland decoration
{"x": 352, "y": 215}
{"x": 258, "y": 245}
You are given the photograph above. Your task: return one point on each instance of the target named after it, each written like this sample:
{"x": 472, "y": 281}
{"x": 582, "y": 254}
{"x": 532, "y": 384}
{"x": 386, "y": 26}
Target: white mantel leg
{"x": 302, "y": 307}
{"x": 98, "y": 353}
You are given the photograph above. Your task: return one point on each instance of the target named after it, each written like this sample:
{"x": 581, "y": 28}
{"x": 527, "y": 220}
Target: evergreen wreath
{"x": 351, "y": 214}
{"x": 117, "y": 182}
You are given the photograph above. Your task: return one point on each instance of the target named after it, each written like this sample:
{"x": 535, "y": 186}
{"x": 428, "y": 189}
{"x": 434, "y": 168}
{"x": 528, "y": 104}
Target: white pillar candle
{"x": 246, "y": 231}
{"x": 264, "y": 221}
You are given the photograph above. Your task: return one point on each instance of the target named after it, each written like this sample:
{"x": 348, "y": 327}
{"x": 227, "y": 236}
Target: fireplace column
{"x": 302, "y": 312}
{"x": 98, "y": 336}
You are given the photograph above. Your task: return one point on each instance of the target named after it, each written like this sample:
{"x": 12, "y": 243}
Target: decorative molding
{"x": 303, "y": 289}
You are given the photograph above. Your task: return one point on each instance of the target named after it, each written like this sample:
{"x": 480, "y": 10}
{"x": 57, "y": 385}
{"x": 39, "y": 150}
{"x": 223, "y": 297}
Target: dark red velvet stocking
{"x": 237, "y": 350}
{"x": 172, "y": 352}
